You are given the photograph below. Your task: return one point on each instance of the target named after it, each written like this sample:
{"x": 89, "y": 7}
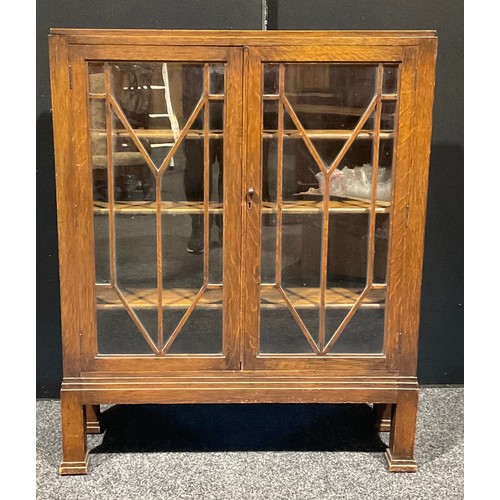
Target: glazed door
{"x": 328, "y": 138}
{"x": 158, "y": 135}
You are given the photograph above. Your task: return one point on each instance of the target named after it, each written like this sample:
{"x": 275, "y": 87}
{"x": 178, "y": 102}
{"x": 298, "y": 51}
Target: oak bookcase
{"x": 241, "y": 220}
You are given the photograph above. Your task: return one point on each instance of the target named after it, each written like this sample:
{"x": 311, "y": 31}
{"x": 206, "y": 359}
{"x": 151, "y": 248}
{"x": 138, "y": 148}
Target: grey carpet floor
{"x": 254, "y": 452}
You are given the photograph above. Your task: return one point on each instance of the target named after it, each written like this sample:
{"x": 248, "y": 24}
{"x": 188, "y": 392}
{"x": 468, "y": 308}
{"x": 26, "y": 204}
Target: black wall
{"x": 441, "y": 335}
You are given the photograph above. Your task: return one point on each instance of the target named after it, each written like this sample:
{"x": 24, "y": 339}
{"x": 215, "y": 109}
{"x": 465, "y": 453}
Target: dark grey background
{"x": 441, "y": 332}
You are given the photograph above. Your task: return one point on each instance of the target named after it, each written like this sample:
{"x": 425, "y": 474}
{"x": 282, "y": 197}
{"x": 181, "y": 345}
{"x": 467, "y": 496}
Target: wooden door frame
{"x": 334, "y": 363}
{"x": 80, "y": 262}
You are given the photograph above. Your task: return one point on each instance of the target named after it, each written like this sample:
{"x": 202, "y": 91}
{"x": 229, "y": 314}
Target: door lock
{"x": 250, "y": 195}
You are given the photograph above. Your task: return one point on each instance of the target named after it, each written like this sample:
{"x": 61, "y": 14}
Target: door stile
{"x": 61, "y": 82}
{"x": 424, "y": 60}
{"x": 232, "y": 234}
{"x": 252, "y": 208}
{"x": 403, "y": 144}
{"x": 83, "y": 209}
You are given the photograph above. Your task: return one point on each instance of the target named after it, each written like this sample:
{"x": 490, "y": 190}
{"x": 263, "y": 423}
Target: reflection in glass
{"x": 158, "y": 99}
{"x": 133, "y": 178}
{"x": 217, "y": 79}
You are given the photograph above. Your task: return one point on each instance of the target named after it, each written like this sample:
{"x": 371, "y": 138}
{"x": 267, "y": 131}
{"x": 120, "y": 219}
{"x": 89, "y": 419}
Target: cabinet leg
{"x": 399, "y": 455}
{"x": 92, "y": 414}
{"x": 74, "y": 438}
{"x": 383, "y": 416}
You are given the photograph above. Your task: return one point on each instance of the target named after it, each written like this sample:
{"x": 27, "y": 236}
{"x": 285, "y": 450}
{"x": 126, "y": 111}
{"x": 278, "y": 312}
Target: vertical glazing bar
{"x": 206, "y": 174}
{"x": 279, "y": 181}
{"x": 324, "y": 260}
{"x": 375, "y": 161}
{"x": 111, "y": 177}
{"x": 159, "y": 261}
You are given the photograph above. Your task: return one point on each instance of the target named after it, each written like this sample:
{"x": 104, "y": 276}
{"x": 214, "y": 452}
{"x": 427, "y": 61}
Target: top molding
{"x": 239, "y": 38}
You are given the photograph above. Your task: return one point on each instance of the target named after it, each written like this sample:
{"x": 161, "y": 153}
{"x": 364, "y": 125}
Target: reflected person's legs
{"x": 193, "y": 186}
{"x": 217, "y": 154}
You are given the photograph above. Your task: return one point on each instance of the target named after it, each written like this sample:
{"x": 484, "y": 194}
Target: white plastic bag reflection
{"x": 357, "y": 182}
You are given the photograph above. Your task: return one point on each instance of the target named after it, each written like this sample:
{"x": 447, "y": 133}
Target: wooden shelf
{"x": 347, "y": 205}
{"x": 327, "y": 134}
{"x": 149, "y": 207}
{"x": 308, "y": 298}
{"x": 147, "y": 298}
{"x": 350, "y": 206}
{"x": 156, "y": 134}
{"x": 181, "y": 298}
{"x": 102, "y": 95}
{"x": 168, "y": 135}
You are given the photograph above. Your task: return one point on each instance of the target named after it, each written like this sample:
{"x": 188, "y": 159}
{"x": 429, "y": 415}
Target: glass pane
{"x": 96, "y": 78}
{"x": 300, "y": 279}
{"x": 328, "y": 149}
{"x": 388, "y": 115}
{"x": 133, "y": 179}
{"x": 279, "y": 332}
{"x": 390, "y": 79}
{"x": 97, "y": 119}
{"x": 268, "y": 248}
{"x": 271, "y": 79}
{"x": 202, "y": 333}
{"x": 384, "y": 175}
{"x": 216, "y": 78}
{"x": 215, "y": 191}
{"x": 270, "y": 118}
{"x": 116, "y": 332}
{"x": 364, "y": 332}
{"x": 316, "y": 268}
{"x": 381, "y": 248}
{"x": 329, "y": 96}
{"x": 161, "y": 221}
{"x": 157, "y": 100}
{"x": 136, "y": 264}
{"x": 348, "y": 251}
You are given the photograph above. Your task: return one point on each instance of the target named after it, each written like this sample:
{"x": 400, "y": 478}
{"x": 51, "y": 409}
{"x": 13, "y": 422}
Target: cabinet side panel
{"x": 66, "y": 203}
{"x": 417, "y": 200}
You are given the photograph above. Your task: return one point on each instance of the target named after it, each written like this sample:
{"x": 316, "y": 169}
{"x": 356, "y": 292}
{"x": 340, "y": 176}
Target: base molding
{"x": 399, "y": 464}
{"x": 74, "y": 468}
